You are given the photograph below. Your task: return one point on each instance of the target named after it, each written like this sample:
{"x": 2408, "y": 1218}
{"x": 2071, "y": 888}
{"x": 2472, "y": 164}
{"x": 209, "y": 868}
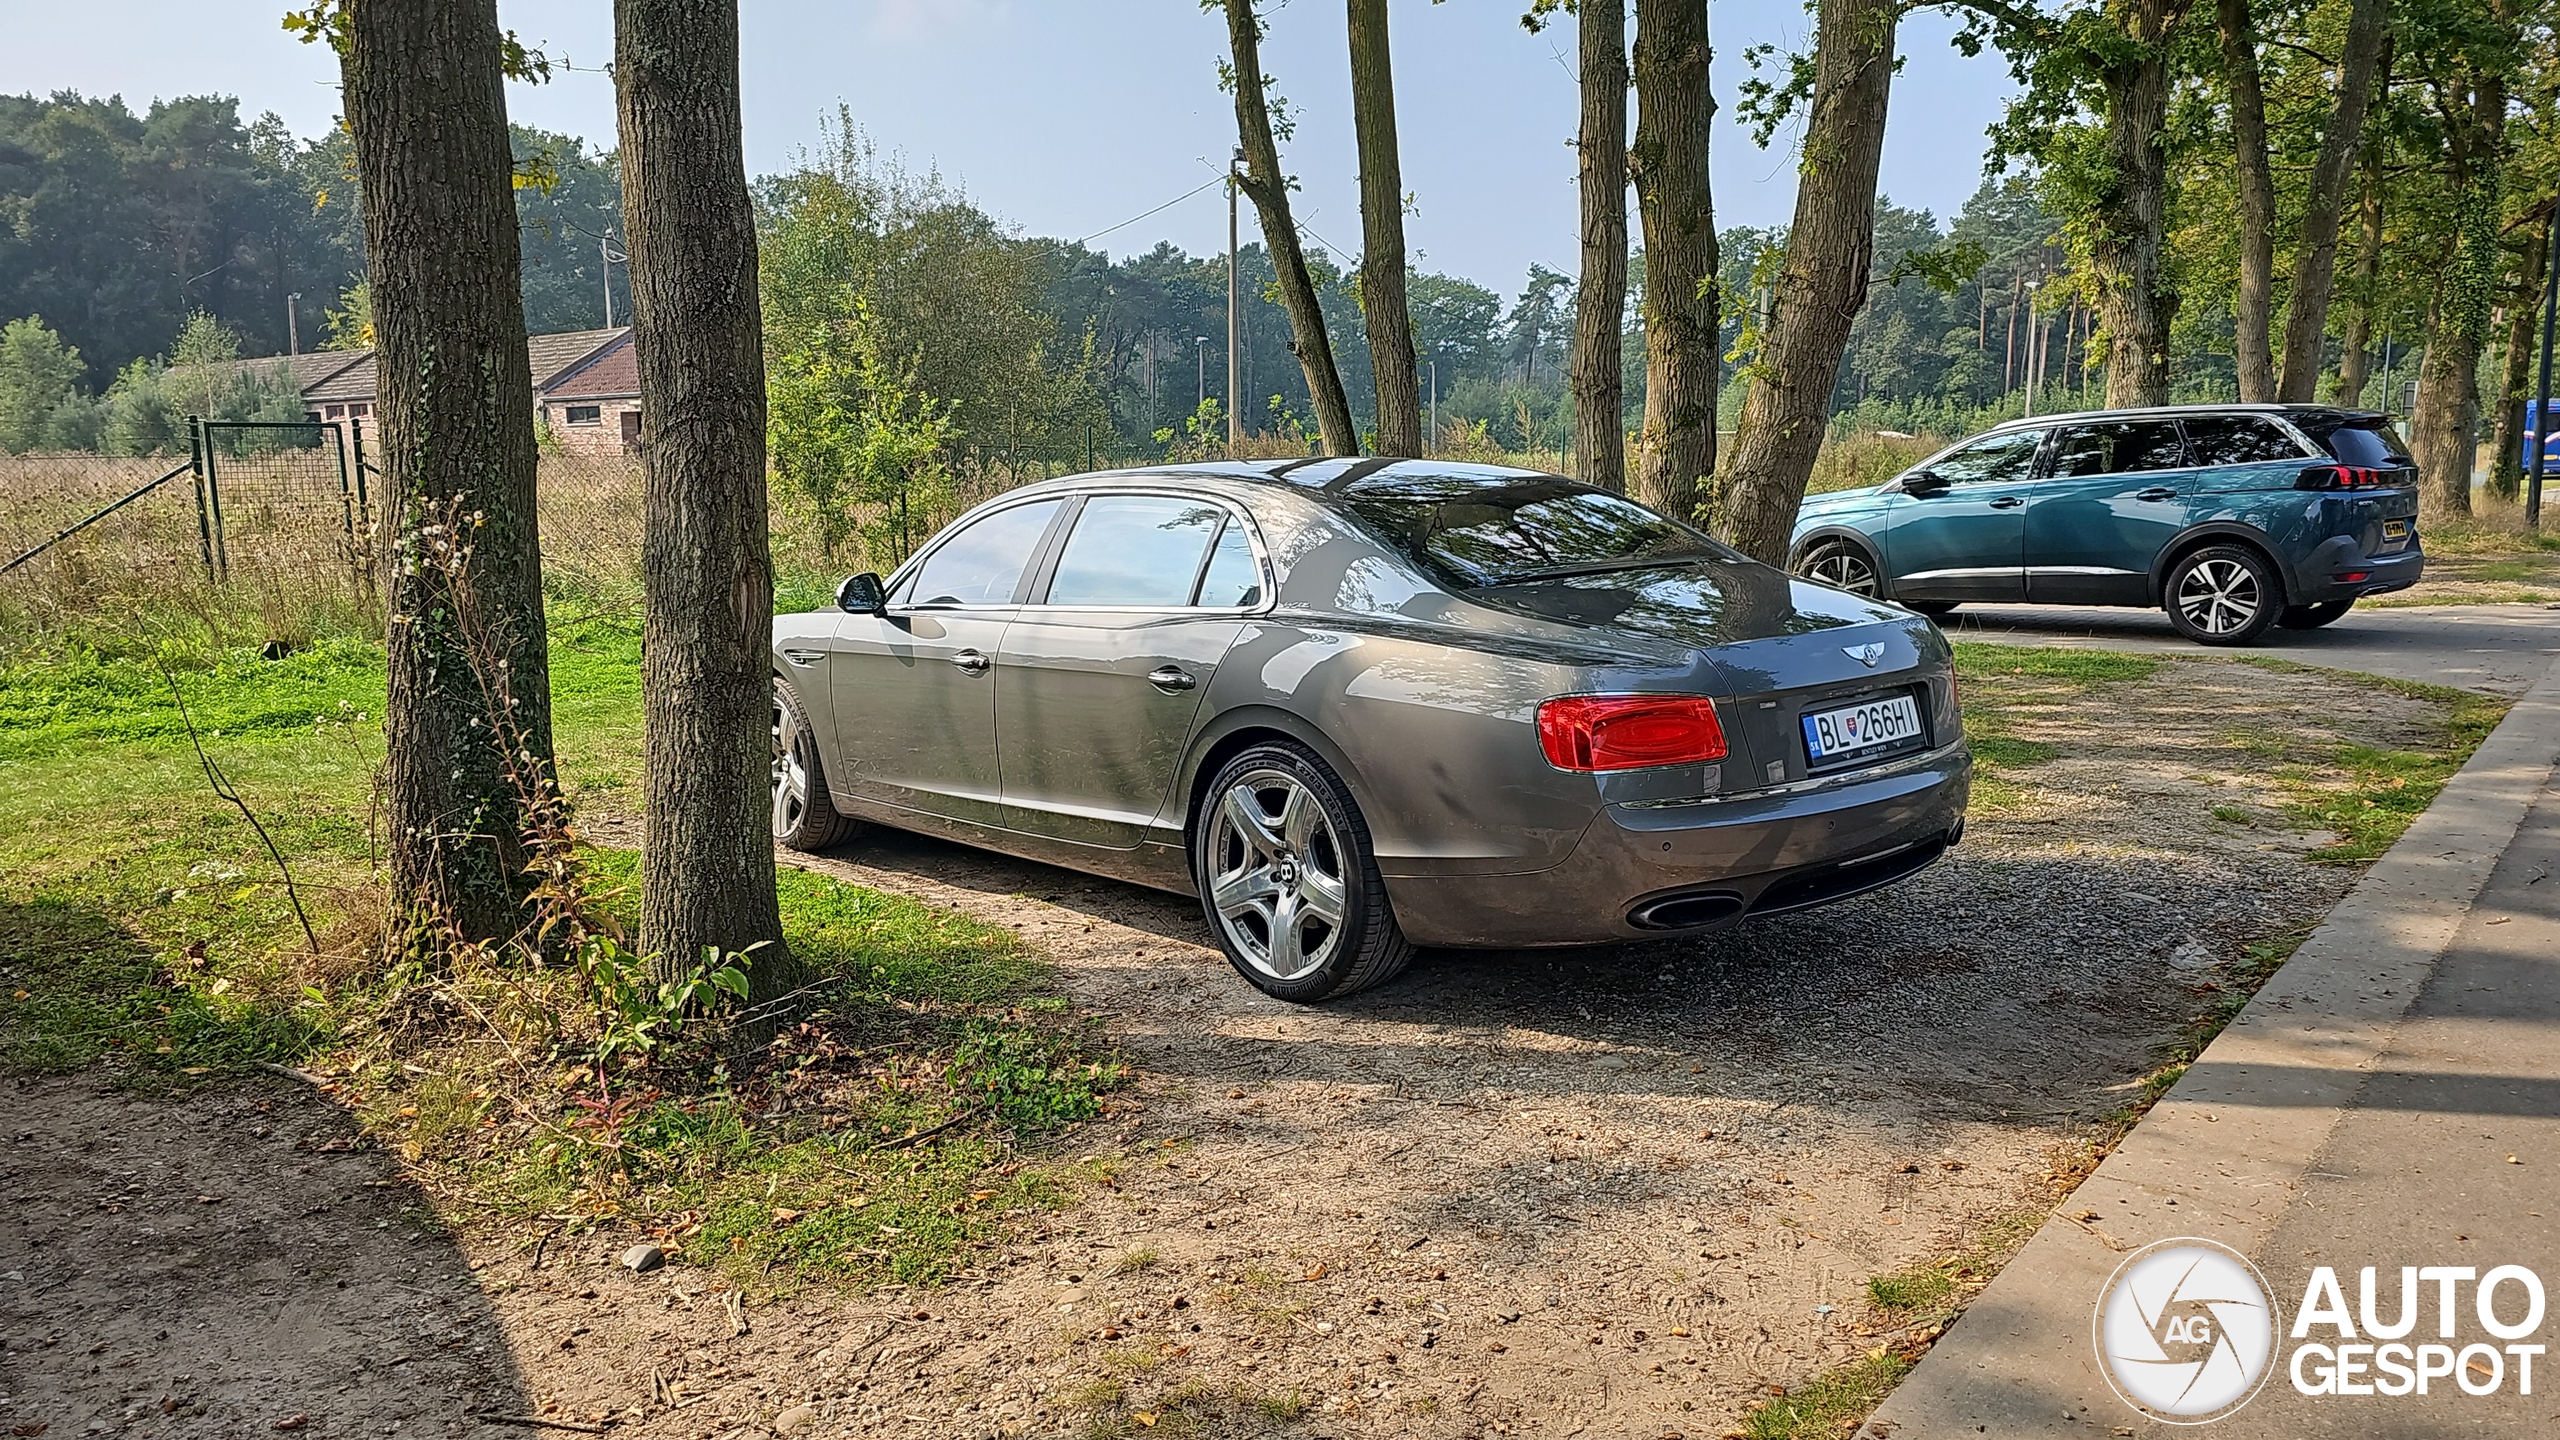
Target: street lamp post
{"x": 1432, "y": 440}
{"x": 293, "y": 329}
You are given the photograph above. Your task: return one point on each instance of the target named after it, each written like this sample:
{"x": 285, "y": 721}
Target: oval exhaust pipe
{"x": 1685, "y": 912}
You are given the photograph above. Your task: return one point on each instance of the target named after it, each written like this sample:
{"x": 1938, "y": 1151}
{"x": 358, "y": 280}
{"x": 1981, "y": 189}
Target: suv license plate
{"x": 1856, "y": 729}
{"x": 2395, "y": 529}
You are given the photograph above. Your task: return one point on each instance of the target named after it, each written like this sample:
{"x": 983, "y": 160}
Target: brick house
{"x": 586, "y": 387}
{"x": 591, "y": 406}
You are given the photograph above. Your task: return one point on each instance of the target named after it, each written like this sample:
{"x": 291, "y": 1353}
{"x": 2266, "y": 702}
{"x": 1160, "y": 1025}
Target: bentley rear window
{"x": 1479, "y": 535}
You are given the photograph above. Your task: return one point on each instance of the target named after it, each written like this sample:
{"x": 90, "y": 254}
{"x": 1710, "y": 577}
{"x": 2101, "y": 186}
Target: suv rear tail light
{"x": 2345, "y": 477}
{"x": 1629, "y": 732}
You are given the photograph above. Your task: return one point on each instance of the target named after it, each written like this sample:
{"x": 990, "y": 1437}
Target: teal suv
{"x": 2233, "y": 518}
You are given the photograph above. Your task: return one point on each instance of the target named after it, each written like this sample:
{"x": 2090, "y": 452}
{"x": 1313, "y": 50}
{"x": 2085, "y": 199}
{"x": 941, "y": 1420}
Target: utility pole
{"x": 612, "y": 257}
{"x": 1432, "y": 439}
{"x": 1151, "y": 382}
{"x": 293, "y": 329}
{"x": 1200, "y": 362}
{"x": 1235, "y": 317}
{"x": 2542, "y": 390}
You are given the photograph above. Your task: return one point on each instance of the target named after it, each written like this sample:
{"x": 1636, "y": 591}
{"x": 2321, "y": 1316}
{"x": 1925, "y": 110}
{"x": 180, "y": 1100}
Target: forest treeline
{"x": 2267, "y": 232}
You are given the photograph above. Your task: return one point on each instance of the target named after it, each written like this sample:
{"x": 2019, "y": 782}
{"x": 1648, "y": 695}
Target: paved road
{"x": 2501, "y": 649}
{"x": 2387, "y": 1101}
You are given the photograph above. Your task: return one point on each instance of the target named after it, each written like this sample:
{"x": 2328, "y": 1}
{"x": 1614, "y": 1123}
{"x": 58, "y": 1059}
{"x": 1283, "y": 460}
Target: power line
{"x": 1169, "y": 204}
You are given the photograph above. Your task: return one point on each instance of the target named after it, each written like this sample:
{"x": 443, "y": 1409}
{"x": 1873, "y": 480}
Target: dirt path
{"x": 1617, "y": 1192}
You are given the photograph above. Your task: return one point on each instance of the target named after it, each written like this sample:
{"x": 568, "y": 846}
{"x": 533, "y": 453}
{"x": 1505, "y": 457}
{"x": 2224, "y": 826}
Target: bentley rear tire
{"x": 1288, "y": 880}
{"x": 804, "y": 818}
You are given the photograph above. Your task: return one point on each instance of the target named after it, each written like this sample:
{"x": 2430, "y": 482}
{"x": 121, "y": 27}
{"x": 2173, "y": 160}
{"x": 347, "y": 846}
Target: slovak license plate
{"x": 1856, "y": 729}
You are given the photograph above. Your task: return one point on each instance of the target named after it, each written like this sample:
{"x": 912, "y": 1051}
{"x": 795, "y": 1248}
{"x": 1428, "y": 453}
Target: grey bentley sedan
{"x": 1357, "y": 706}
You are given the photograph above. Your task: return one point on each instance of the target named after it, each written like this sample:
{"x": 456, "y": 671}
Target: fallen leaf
{"x": 1148, "y": 1417}
{"x": 1317, "y": 1273}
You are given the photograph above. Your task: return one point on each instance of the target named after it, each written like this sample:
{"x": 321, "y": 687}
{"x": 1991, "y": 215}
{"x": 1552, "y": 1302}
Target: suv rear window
{"x": 1475, "y": 534}
{"x": 2366, "y": 440}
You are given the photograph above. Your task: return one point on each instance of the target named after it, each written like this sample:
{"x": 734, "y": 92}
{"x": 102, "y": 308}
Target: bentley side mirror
{"x": 862, "y": 594}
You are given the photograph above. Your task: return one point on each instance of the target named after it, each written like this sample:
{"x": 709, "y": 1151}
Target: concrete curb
{"x": 2224, "y": 1153}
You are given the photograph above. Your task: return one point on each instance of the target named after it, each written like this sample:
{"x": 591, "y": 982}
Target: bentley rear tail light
{"x": 1629, "y": 732}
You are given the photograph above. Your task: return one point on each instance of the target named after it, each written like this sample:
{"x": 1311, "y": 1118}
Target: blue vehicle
{"x": 2232, "y": 518}
{"x": 2532, "y": 431}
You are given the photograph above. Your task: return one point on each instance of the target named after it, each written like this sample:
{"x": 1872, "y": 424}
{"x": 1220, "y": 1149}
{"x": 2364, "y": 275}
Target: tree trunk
{"x": 2315, "y": 256}
{"x": 1683, "y": 359}
{"x": 1822, "y": 282}
{"x": 2132, "y": 229}
{"x": 1382, "y": 302}
{"x": 1600, "y": 302}
{"x": 706, "y": 868}
{"x": 2253, "y": 304}
{"x": 2515, "y": 372}
{"x": 1268, "y": 189}
{"x": 2356, "y": 358}
{"x": 427, "y": 107}
{"x": 2448, "y": 413}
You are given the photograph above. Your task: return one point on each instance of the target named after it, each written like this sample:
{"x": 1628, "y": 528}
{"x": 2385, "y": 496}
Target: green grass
{"x": 1825, "y": 1405}
{"x": 2368, "y": 795}
{"x": 1988, "y": 679}
{"x": 891, "y": 1128}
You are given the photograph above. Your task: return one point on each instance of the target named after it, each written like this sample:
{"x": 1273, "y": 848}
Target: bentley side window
{"x": 1140, "y": 550}
{"x": 983, "y": 564}
{"x": 1233, "y": 579}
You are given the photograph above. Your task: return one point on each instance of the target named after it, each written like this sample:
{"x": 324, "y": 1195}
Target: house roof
{"x": 341, "y": 376}
{"x": 612, "y": 374}
{"x": 555, "y": 355}
{"x": 310, "y": 369}
{"x": 349, "y": 382}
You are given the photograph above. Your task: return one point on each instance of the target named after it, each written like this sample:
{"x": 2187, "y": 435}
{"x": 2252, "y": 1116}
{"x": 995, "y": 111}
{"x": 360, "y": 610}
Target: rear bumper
{"x": 2320, "y": 575}
{"x": 1644, "y": 871}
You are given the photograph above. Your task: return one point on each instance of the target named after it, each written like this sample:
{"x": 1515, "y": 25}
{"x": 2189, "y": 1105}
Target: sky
{"x": 1069, "y": 117}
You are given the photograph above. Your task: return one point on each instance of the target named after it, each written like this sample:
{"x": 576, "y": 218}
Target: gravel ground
{"x": 1615, "y": 1191}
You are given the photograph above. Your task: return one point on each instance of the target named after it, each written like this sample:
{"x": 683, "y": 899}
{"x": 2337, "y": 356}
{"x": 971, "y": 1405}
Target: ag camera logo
{"x": 2185, "y": 1331}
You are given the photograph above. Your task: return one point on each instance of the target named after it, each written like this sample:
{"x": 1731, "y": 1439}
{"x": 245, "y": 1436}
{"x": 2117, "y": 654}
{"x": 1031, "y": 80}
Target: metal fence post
{"x": 346, "y": 497}
{"x": 213, "y": 500}
{"x": 204, "y": 522}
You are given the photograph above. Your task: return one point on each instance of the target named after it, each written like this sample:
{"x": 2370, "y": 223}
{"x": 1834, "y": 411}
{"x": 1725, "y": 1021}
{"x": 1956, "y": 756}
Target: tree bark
{"x": 2253, "y": 304}
{"x": 427, "y": 107}
{"x": 1382, "y": 301}
{"x": 706, "y": 868}
{"x": 1822, "y": 283}
{"x": 1683, "y": 359}
{"x": 2448, "y": 413}
{"x": 2315, "y": 256}
{"x": 1268, "y": 189}
{"x": 2356, "y": 357}
{"x": 1600, "y": 301}
{"x": 2133, "y": 215}
{"x": 2515, "y": 372}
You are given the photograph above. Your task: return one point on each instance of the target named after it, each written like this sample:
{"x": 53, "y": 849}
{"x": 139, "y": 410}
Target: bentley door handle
{"x": 972, "y": 661}
{"x": 2155, "y": 493}
{"x": 804, "y": 657}
{"x": 2007, "y": 502}
{"x": 1170, "y": 678}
